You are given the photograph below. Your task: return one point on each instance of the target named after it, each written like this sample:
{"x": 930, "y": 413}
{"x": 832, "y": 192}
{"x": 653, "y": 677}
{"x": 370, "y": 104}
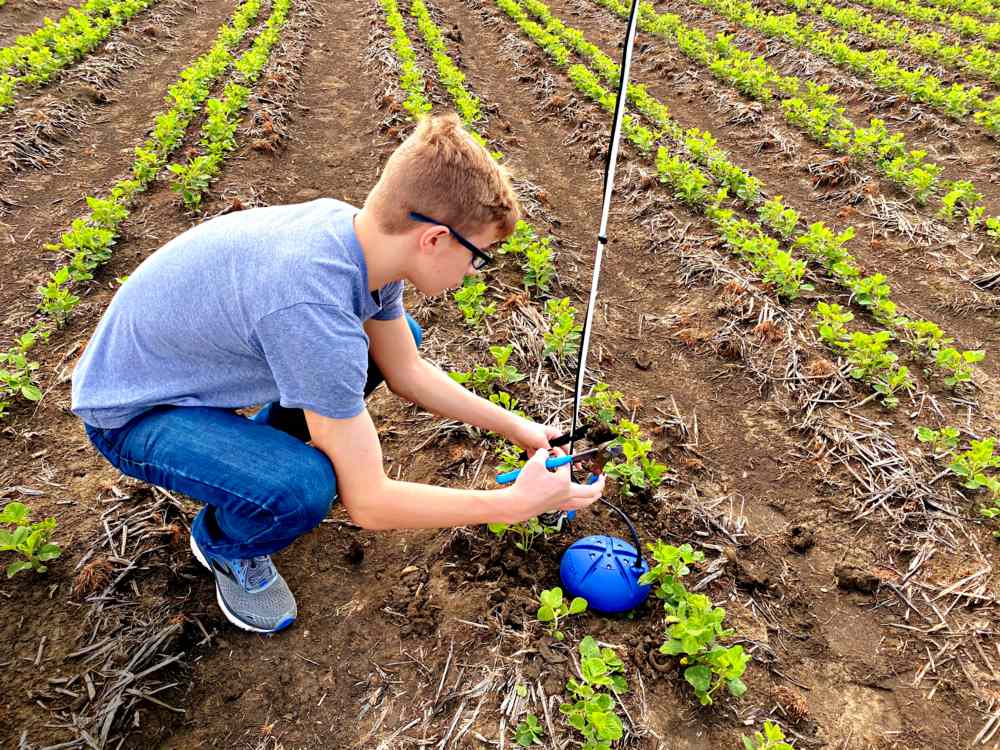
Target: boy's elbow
{"x": 364, "y": 511}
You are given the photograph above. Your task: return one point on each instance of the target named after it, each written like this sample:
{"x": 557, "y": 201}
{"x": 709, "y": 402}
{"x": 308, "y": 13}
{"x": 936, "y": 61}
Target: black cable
{"x": 632, "y": 530}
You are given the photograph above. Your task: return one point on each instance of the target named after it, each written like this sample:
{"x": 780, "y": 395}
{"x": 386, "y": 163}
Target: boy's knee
{"x": 315, "y": 490}
{"x": 415, "y": 329}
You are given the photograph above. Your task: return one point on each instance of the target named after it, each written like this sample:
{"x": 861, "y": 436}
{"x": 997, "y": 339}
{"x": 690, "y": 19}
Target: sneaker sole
{"x": 222, "y": 604}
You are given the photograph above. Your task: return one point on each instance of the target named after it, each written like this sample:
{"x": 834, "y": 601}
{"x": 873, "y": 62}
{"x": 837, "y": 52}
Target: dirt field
{"x": 852, "y": 566}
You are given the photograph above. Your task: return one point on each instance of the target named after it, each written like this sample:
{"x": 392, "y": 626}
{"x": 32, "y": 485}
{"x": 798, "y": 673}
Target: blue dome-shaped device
{"x": 602, "y": 570}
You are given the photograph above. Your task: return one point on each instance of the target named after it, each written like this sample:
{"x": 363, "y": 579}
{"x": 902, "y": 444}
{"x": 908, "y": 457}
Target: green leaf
{"x": 545, "y": 614}
{"x": 589, "y": 647}
{"x": 49, "y": 552}
{"x": 736, "y": 687}
{"x": 672, "y": 647}
{"x": 15, "y": 512}
{"x": 16, "y": 567}
{"x": 552, "y": 598}
{"x": 699, "y": 676}
{"x": 31, "y": 392}
{"x": 578, "y": 605}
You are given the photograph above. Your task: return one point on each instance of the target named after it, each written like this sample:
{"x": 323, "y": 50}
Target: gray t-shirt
{"x": 251, "y": 307}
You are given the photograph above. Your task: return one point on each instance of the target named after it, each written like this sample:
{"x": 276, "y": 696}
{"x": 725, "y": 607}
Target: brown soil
{"x": 402, "y": 635}
{"x": 18, "y": 18}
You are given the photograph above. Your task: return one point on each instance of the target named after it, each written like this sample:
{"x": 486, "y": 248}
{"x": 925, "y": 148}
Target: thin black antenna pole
{"x": 602, "y": 234}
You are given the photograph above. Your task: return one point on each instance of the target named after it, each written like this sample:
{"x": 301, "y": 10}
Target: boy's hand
{"x": 532, "y": 436}
{"x": 539, "y": 490}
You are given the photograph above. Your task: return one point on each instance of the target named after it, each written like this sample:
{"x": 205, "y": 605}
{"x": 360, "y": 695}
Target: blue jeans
{"x": 262, "y": 486}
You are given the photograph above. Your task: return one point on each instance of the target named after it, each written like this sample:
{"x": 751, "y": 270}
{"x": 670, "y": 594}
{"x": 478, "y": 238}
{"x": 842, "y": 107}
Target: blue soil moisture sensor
{"x": 602, "y": 570}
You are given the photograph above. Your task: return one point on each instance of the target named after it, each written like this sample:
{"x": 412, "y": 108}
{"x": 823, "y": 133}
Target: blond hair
{"x": 441, "y": 172}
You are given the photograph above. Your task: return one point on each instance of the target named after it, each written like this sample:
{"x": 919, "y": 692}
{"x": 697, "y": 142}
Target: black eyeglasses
{"x": 479, "y": 258}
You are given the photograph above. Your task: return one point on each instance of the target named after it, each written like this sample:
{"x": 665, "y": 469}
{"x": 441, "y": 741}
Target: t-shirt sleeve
{"x": 392, "y": 301}
{"x": 318, "y": 355}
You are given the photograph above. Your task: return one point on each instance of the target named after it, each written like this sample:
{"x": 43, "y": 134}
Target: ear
{"x": 430, "y": 238}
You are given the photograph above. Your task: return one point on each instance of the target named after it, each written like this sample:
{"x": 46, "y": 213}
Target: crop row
{"x": 867, "y": 353}
{"x": 218, "y": 134}
{"x": 35, "y": 58}
{"x": 411, "y": 78}
{"x": 954, "y": 100}
{"x": 984, "y": 8}
{"x": 811, "y": 109}
{"x": 978, "y": 60}
{"x": 710, "y": 664}
{"x": 965, "y": 25}
{"x": 90, "y": 240}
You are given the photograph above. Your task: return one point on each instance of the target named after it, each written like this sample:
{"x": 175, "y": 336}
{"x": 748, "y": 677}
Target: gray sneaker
{"x": 251, "y": 593}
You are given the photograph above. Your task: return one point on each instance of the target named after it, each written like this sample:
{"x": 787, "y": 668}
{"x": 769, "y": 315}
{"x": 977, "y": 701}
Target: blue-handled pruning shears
{"x": 601, "y": 454}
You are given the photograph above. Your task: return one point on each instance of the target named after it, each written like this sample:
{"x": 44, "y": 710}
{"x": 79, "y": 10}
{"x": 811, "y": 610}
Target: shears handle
{"x": 550, "y": 463}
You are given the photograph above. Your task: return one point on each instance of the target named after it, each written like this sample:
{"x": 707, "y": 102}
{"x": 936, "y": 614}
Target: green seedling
{"x": 771, "y": 739}
{"x": 869, "y": 353}
{"x": 470, "y": 298}
{"x": 147, "y": 165}
{"x": 892, "y": 382}
{"x": 518, "y": 243}
{"x": 637, "y": 471}
{"x": 16, "y": 370}
{"x": 27, "y": 539}
{"x": 553, "y": 607}
{"x": 563, "y": 336}
{"x": 603, "y": 403}
{"x": 992, "y": 486}
{"x": 993, "y": 227}
{"x": 57, "y": 301}
{"x": 959, "y": 364}
{"x": 874, "y": 293}
{"x": 592, "y": 711}
{"x": 524, "y": 533}
{"x": 671, "y": 566}
{"x": 832, "y": 322}
{"x": 941, "y": 441}
{"x": 782, "y": 272}
{"x": 828, "y": 249}
{"x": 715, "y": 668}
{"x": 961, "y": 195}
{"x": 774, "y": 213}
{"x": 694, "y": 625}
{"x": 970, "y": 465}
{"x": 506, "y": 401}
{"x": 926, "y": 337}
{"x": 529, "y": 732}
{"x": 192, "y": 180}
{"x": 510, "y": 458}
{"x": 539, "y": 270}
{"x": 484, "y": 380}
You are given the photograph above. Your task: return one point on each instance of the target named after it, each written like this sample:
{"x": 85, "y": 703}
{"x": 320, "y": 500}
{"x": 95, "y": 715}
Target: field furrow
{"x": 45, "y": 126}
{"x": 38, "y": 58}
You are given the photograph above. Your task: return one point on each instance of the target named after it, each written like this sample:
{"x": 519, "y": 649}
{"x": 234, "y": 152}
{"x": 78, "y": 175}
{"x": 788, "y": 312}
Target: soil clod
{"x": 852, "y": 577}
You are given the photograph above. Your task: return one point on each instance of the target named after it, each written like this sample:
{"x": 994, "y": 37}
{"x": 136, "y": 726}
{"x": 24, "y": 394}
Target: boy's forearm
{"x": 408, "y": 505}
{"x": 431, "y": 388}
